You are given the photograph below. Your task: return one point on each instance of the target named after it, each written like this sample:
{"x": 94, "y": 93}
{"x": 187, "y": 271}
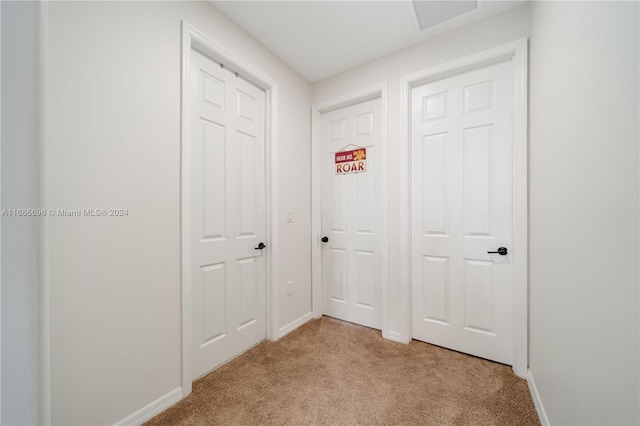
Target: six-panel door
{"x": 461, "y": 197}
{"x": 353, "y": 213}
{"x": 227, "y": 214}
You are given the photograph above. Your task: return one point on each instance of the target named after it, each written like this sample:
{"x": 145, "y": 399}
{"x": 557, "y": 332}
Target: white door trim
{"x": 379, "y": 91}
{"x": 517, "y": 53}
{"x": 194, "y": 38}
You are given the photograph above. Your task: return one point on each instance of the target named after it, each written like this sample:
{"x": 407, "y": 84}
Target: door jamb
{"x": 378, "y": 91}
{"x": 517, "y": 53}
{"x": 193, "y": 38}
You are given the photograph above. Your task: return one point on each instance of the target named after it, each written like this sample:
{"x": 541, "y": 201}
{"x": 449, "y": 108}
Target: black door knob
{"x": 502, "y": 251}
{"x": 260, "y": 246}
{"x": 325, "y": 239}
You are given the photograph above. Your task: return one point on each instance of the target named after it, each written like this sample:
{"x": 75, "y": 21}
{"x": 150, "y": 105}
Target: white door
{"x": 353, "y": 213}
{"x": 227, "y": 214}
{"x": 461, "y": 196}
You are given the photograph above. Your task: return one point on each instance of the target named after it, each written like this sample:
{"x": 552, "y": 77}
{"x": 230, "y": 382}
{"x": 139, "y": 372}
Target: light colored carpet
{"x": 330, "y": 372}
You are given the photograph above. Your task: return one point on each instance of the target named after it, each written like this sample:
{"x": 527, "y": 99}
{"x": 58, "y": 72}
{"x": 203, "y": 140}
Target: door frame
{"x": 193, "y": 38}
{"x": 378, "y": 91}
{"x": 517, "y": 53}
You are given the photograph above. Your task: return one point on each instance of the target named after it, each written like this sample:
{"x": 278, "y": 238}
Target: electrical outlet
{"x": 289, "y": 288}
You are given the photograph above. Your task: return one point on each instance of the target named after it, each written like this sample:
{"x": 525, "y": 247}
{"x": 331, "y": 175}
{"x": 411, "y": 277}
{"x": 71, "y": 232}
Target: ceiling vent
{"x": 430, "y": 13}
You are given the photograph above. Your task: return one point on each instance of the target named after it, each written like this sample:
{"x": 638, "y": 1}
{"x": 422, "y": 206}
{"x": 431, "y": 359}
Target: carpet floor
{"x": 330, "y": 372}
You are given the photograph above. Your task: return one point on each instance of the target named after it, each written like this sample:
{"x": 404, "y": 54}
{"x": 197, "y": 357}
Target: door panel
{"x": 228, "y": 214}
{"x": 435, "y": 276}
{"x": 461, "y": 192}
{"x": 352, "y": 216}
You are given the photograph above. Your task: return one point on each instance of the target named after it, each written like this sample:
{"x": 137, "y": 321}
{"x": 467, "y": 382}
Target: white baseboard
{"x": 153, "y": 409}
{"x": 294, "y": 324}
{"x": 542, "y": 415}
{"x": 397, "y": 337}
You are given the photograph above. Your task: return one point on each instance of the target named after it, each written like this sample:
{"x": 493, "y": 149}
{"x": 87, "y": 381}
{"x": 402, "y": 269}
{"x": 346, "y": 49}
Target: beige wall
{"x": 494, "y": 31}
{"x": 114, "y": 142}
{"x": 584, "y": 210}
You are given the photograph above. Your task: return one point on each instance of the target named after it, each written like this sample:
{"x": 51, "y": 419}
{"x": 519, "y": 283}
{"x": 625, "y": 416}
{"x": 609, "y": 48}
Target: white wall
{"x": 494, "y": 31}
{"x": 114, "y": 142}
{"x": 584, "y": 210}
{"x": 20, "y": 346}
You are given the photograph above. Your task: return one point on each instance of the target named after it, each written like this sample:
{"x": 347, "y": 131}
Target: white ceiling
{"x": 322, "y": 38}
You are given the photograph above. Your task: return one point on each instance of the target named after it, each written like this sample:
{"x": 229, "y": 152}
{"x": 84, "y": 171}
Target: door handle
{"x": 325, "y": 239}
{"x": 502, "y": 251}
{"x": 260, "y": 246}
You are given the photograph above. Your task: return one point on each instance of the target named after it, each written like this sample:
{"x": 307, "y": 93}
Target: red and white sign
{"x": 354, "y": 161}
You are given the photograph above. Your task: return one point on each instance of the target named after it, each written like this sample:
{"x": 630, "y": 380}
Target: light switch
{"x": 289, "y": 216}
